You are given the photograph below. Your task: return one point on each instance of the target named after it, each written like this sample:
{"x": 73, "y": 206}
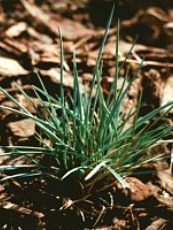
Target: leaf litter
{"x": 28, "y": 40}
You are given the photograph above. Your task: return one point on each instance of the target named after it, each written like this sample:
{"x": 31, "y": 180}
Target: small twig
{"x": 22, "y": 210}
{"x": 149, "y": 63}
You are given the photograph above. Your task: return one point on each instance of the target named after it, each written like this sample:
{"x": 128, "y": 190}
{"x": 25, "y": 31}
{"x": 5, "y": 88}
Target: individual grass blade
{"x": 20, "y": 175}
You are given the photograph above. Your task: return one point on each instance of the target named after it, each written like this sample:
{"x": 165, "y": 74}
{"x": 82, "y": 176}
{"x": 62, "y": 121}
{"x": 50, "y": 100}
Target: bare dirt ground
{"x": 29, "y": 39}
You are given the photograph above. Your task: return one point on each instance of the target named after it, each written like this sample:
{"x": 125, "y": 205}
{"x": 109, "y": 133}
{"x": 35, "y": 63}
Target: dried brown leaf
{"x": 54, "y": 75}
{"x": 141, "y": 191}
{"x": 16, "y": 29}
{"x": 166, "y": 180}
{"x": 10, "y": 67}
{"x": 167, "y": 94}
{"x": 71, "y": 30}
{"x": 24, "y": 128}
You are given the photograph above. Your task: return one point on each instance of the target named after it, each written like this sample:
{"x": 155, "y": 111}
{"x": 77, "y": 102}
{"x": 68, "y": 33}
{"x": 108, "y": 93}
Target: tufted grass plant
{"x": 85, "y": 133}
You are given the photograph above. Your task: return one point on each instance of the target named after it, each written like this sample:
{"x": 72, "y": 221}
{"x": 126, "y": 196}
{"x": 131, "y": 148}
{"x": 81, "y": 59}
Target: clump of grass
{"x": 86, "y": 131}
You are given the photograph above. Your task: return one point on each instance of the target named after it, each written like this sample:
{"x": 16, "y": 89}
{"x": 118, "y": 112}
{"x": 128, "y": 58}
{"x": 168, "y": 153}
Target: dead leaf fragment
{"x": 20, "y": 209}
{"x": 167, "y": 95}
{"x": 39, "y": 36}
{"x": 160, "y": 224}
{"x": 16, "y": 46}
{"x": 125, "y": 47}
{"x": 25, "y": 103}
{"x": 73, "y": 30}
{"x": 141, "y": 191}
{"x": 23, "y": 128}
{"x": 54, "y": 74}
{"x": 16, "y": 29}
{"x": 166, "y": 180}
{"x": 10, "y": 67}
